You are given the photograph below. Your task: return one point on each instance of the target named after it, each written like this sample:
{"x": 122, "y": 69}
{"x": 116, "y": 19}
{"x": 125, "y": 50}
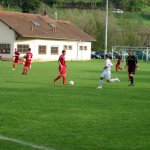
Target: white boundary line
{"x": 24, "y": 143}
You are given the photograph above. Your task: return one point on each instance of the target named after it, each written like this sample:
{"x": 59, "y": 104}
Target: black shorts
{"x": 131, "y": 69}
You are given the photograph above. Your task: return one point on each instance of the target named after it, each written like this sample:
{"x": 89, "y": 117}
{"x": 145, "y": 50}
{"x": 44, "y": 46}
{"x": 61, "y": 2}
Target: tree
{"x": 30, "y": 6}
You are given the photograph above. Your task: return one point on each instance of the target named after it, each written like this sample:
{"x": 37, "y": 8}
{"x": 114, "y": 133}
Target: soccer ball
{"x": 71, "y": 82}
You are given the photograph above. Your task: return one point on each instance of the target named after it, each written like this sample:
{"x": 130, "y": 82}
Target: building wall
{"x": 74, "y": 54}
{"x": 7, "y": 37}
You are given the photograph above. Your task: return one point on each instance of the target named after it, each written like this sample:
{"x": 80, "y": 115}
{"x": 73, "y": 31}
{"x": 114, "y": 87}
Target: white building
{"x": 46, "y": 37}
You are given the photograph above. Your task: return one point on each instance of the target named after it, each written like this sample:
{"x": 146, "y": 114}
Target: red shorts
{"x": 27, "y": 64}
{"x": 16, "y": 60}
{"x": 62, "y": 70}
{"x": 117, "y": 65}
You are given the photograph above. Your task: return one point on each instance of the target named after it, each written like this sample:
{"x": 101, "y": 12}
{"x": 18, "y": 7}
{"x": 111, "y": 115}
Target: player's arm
{"x": 106, "y": 64}
{"x": 59, "y": 62}
{"x": 136, "y": 62}
{"x": 110, "y": 64}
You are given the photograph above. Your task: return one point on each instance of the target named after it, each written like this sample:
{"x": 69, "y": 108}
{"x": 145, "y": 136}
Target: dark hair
{"x": 106, "y": 55}
{"x": 63, "y": 51}
{"x": 130, "y": 51}
{"x": 29, "y": 49}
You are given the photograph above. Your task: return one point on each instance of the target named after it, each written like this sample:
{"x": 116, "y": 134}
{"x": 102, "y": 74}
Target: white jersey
{"x": 107, "y": 73}
{"x": 108, "y": 65}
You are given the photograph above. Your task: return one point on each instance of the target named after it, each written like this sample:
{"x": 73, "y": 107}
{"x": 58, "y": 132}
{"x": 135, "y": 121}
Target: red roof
{"x": 38, "y": 26}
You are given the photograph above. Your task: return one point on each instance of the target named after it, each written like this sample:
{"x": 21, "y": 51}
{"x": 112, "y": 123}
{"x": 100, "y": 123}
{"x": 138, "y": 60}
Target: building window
{"x": 42, "y": 49}
{"x": 54, "y": 50}
{"x": 22, "y": 48}
{"x": 83, "y": 48}
{"x": 67, "y": 47}
{"x": 70, "y": 47}
{"x": 5, "y": 48}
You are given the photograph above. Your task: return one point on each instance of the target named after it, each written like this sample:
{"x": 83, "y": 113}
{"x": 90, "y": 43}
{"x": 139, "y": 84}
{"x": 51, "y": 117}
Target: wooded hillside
{"x": 130, "y": 28}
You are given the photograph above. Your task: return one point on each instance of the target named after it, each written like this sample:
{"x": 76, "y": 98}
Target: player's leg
{"x": 64, "y": 79}
{"x": 57, "y": 78}
{"x": 27, "y": 67}
{"x": 23, "y": 72}
{"x": 119, "y": 67}
{"x": 113, "y": 80}
{"x": 109, "y": 80}
{"x": 116, "y": 68}
{"x": 26, "y": 70}
{"x": 63, "y": 72}
{"x": 131, "y": 76}
{"x": 15, "y": 62}
{"x": 101, "y": 81}
{"x": 14, "y": 66}
{"x": 132, "y": 79}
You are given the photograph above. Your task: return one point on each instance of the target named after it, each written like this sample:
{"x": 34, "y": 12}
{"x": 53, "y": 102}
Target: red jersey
{"x": 16, "y": 55}
{"x": 119, "y": 59}
{"x": 28, "y": 59}
{"x": 62, "y": 60}
{"x": 29, "y": 56}
{"x": 62, "y": 67}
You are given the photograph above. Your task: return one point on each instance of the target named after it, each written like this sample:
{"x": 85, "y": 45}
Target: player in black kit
{"x": 131, "y": 64}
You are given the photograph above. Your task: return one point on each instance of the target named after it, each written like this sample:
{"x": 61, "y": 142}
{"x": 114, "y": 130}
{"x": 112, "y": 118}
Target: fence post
{"x": 112, "y": 52}
{"x": 147, "y": 54}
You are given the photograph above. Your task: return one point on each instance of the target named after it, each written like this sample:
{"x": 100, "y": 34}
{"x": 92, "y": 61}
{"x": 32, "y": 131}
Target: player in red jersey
{"x": 118, "y": 62}
{"x": 28, "y": 58}
{"x": 15, "y": 59}
{"x": 62, "y": 68}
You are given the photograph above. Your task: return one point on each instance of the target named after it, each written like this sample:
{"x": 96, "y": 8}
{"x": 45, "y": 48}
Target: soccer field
{"x": 35, "y": 114}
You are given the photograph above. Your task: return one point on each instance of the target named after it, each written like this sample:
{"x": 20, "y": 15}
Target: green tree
{"x": 30, "y": 6}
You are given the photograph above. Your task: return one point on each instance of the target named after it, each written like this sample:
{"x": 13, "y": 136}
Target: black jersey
{"x": 131, "y": 60}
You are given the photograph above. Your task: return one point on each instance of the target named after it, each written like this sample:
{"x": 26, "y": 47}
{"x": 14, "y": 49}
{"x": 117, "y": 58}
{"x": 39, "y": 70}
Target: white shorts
{"x": 106, "y": 75}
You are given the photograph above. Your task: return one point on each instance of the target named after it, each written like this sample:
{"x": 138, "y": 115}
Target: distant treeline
{"x": 80, "y": 5}
{"x": 130, "y": 5}
{"x": 123, "y": 29}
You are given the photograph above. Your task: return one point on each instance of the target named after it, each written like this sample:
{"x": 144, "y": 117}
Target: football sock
{"x": 132, "y": 80}
{"x": 113, "y": 80}
{"x": 129, "y": 76}
{"x": 14, "y": 66}
{"x": 24, "y": 70}
{"x": 116, "y": 69}
{"x": 64, "y": 79}
{"x": 100, "y": 83}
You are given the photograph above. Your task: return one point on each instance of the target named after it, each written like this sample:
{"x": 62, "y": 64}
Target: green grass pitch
{"x": 78, "y": 117}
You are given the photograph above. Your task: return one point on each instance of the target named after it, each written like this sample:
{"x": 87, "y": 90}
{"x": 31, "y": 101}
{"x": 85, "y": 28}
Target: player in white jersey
{"x": 107, "y": 73}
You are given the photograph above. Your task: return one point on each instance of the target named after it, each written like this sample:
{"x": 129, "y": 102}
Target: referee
{"x": 131, "y": 64}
